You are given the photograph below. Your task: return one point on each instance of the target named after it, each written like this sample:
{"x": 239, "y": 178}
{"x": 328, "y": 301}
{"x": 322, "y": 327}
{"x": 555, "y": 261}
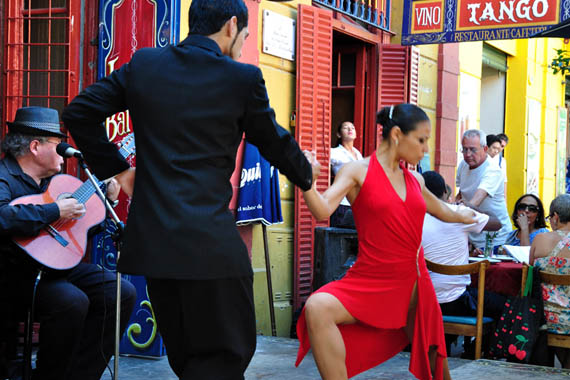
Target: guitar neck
{"x": 85, "y": 191}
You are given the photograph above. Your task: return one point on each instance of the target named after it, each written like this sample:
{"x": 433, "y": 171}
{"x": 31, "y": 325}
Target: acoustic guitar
{"x": 61, "y": 244}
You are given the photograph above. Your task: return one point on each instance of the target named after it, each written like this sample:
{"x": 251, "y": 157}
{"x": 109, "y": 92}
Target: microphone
{"x": 66, "y": 150}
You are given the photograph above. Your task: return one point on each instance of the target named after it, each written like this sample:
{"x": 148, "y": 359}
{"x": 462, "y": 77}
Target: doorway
{"x": 350, "y": 87}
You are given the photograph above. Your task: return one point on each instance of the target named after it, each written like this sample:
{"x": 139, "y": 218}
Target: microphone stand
{"x": 118, "y": 240}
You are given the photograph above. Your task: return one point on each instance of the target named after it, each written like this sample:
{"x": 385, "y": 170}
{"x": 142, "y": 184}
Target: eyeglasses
{"x": 51, "y": 142}
{"x": 465, "y": 150}
{"x": 525, "y": 207}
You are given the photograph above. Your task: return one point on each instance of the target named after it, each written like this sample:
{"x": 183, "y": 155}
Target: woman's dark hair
{"x": 206, "y": 17}
{"x": 540, "y": 221}
{"x": 338, "y": 132}
{"x": 404, "y": 115}
{"x": 435, "y": 183}
{"x": 491, "y": 139}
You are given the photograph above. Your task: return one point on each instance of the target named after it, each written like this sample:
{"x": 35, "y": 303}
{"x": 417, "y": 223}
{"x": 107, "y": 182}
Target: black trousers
{"x": 466, "y": 304}
{"x": 208, "y": 326}
{"x": 76, "y": 311}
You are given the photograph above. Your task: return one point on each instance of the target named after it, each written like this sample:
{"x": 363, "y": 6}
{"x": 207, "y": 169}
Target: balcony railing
{"x": 372, "y": 12}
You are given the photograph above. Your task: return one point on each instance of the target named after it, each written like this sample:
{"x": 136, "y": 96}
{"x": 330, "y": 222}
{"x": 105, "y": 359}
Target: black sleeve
{"x": 23, "y": 220}
{"x": 84, "y": 118}
{"x": 274, "y": 143}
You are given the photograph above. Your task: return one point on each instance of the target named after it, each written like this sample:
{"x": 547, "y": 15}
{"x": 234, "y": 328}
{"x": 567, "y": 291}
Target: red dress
{"x": 377, "y": 289}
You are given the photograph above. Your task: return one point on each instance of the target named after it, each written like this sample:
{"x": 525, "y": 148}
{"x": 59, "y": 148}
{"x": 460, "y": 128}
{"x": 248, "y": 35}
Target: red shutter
{"x": 314, "y": 70}
{"x": 397, "y": 77}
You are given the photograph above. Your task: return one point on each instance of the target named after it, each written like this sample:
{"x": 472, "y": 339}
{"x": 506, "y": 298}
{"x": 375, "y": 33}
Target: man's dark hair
{"x": 491, "y": 139}
{"x": 435, "y": 183}
{"x": 503, "y": 137}
{"x": 207, "y": 17}
{"x": 17, "y": 144}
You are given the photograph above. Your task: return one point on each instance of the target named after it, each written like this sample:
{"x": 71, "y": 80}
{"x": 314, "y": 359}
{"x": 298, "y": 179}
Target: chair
{"x": 467, "y": 326}
{"x": 556, "y": 340}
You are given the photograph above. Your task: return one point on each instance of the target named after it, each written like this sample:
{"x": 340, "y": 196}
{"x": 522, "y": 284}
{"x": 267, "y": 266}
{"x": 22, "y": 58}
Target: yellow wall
{"x": 280, "y": 80}
{"x": 427, "y": 90}
{"x": 528, "y": 80}
{"x": 184, "y": 6}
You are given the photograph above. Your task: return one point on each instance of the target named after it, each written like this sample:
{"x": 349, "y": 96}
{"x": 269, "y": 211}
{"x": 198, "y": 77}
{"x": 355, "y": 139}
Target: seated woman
{"x": 529, "y": 221}
{"x": 550, "y": 252}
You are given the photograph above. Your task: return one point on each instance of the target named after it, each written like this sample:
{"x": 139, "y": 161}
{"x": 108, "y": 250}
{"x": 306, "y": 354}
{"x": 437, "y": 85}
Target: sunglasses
{"x": 525, "y": 207}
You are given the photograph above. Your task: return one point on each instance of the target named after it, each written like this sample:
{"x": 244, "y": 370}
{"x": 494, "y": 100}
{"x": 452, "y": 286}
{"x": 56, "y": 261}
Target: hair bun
{"x": 383, "y": 117}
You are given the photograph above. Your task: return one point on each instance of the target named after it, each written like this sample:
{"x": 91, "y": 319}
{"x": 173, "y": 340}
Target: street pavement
{"x": 275, "y": 358}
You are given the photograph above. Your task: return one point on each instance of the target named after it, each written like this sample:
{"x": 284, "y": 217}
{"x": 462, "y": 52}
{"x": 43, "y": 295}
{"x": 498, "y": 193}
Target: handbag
{"x": 517, "y": 329}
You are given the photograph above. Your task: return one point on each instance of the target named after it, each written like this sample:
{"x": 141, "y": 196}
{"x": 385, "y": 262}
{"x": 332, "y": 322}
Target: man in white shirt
{"x": 494, "y": 149}
{"x": 447, "y": 243}
{"x": 482, "y": 186}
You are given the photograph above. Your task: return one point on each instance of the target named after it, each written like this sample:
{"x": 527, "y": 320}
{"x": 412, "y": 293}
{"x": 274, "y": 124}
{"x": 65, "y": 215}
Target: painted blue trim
{"x": 449, "y": 33}
{"x": 360, "y": 11}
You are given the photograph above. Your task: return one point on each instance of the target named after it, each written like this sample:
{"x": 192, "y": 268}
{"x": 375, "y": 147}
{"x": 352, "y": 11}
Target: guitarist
{"x": 72, "y": 306}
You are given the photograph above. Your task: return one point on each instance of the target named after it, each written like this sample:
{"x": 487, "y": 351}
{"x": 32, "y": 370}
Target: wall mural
{"x": 124, "y": 27}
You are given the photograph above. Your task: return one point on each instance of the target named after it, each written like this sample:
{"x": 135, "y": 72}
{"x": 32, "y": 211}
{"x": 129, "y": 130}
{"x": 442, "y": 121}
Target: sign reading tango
{"x": 441, "y": 21}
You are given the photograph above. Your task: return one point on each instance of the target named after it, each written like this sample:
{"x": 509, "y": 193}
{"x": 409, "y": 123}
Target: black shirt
{"x": 190, "y": 106}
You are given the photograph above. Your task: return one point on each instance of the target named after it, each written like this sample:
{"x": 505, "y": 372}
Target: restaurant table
{"x": 503, "y": 278}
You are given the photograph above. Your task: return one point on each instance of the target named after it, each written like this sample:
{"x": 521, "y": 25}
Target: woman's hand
{"x": 113, "y": 189}
{"x": 126, "y": 180}
{"x": 312, "y": 158}
{"x": 522, "y": 221}
{"x": 467, "y": 216}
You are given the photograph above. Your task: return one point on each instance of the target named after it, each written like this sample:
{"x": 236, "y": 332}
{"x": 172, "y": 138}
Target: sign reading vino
{"x": 441, "y": 21}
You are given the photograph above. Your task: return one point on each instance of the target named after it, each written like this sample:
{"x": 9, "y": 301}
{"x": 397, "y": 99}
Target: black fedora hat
{"x": 36, "y": 121}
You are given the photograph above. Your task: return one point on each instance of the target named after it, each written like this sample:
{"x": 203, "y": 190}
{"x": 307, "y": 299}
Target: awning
{"x": 561, "y": 30}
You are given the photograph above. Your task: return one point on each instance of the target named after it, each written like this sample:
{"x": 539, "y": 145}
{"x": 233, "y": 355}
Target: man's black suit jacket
{"x": 189, "y": 105}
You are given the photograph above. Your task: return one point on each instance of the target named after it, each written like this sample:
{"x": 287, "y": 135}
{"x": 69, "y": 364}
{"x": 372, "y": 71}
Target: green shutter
{"x": 494, "y": 58}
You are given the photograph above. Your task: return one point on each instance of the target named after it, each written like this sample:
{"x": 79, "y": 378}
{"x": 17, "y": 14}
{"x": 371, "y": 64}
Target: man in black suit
{"x": 190, "y": 105}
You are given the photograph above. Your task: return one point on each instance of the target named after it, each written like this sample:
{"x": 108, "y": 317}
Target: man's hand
{"x": 312, "y": 158}
{"x": 126, "y": 180}
{"x": 69, "y": 208}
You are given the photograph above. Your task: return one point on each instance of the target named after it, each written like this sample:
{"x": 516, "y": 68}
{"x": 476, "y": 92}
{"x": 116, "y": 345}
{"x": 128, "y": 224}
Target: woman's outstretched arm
{"x": 437, "y": 207}
{"x": 323, "y": 205}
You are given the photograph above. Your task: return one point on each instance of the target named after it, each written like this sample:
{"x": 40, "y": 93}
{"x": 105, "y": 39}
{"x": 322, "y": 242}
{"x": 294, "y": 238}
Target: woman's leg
{"x": 409, "y": 329}
{"x": 323, "y": 312}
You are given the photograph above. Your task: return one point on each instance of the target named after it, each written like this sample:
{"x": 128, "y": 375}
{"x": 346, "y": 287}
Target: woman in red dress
{"x": 386, "y": 300}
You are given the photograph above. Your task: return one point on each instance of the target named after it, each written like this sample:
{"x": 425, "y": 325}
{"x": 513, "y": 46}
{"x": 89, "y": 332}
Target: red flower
{"x": 545, "y": 295}
{"x": 551, "y": 317}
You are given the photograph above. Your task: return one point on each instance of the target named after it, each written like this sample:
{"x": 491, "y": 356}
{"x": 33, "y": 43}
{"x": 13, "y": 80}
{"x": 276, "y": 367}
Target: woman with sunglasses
{"x": 528, "y": 217}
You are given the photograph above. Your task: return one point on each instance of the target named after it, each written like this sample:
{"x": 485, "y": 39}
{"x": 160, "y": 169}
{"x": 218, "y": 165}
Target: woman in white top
{"x": 343, "y": 153}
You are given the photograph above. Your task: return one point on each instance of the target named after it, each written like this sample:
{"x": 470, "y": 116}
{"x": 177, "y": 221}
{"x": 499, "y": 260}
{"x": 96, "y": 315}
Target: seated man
{"x": 76, "y": 307}
{"x": 447, "y": 243}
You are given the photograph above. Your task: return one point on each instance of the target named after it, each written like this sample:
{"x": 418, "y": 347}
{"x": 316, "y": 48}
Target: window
{"x": 40, "y": 39}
